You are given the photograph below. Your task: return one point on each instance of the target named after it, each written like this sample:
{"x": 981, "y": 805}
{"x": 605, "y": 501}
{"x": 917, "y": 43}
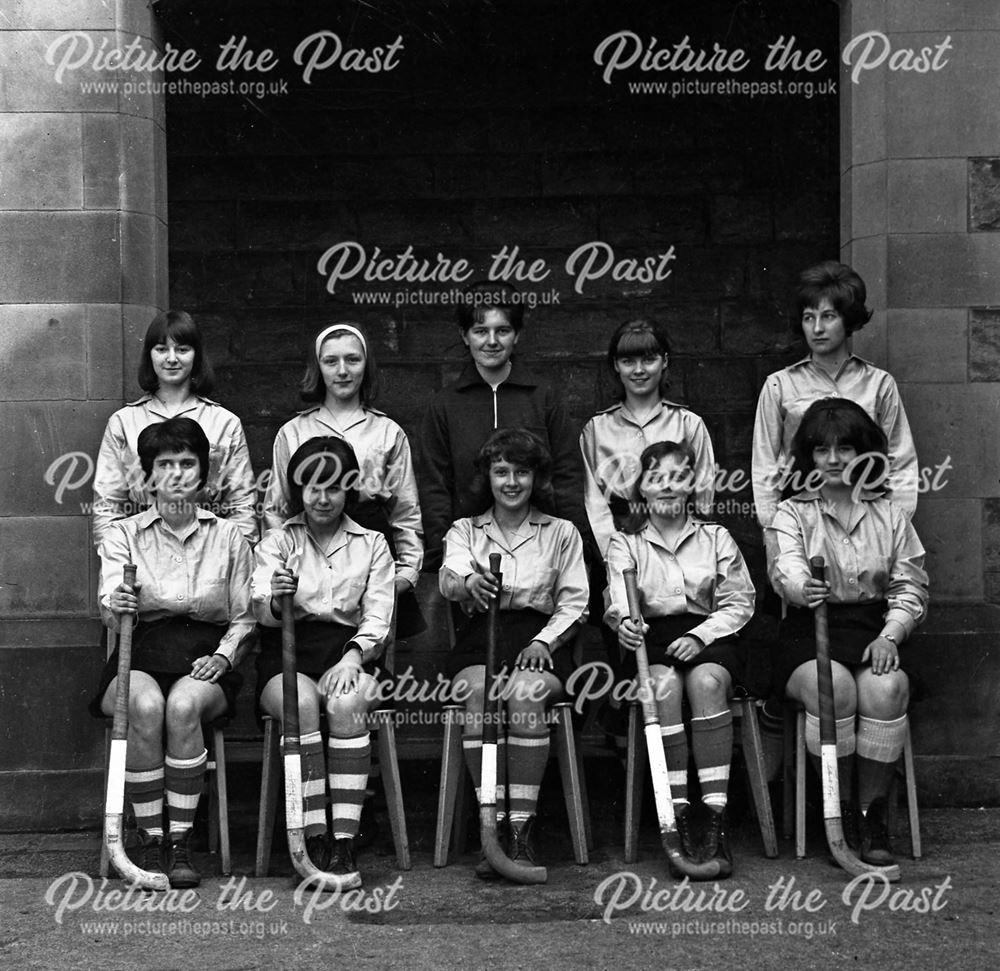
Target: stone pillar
{"x": 83, "y": 242}
{"x": 920, "y": 204}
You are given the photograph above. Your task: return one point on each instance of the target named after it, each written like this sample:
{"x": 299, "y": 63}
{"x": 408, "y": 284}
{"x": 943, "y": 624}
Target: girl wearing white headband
{"x": 340, "y": 382}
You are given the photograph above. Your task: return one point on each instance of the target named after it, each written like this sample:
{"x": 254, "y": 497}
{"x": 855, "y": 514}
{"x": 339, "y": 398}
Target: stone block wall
{"x": 82, "y": 256}
{"x": 920, "y": 183}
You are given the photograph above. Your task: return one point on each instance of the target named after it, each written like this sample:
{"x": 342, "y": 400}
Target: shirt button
{"x": 178, "y": 559}
{"x": 852, "y": 581}
{"x": 506, "y": 588}
{"x": 326, "y": 600}
{"x": 846, "y": 541}
{"x": 677, "y": 589}
{"x": 180, "y": 596}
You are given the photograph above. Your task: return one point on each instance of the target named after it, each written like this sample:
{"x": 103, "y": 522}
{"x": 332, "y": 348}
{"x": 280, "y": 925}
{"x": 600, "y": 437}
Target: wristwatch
{"x": 892, "y": 640}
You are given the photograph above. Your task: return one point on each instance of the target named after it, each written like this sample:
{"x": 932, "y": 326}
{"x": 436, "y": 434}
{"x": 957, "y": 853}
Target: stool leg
{"x": 569, "y": 769}
{"x": 104, "y": 867}
{"x": 800, "y": 785}
{"x": 753, "y": 759}
{"x": 222, "y": 792}
{"x": 451, "y": 780}
{"x": 635, "y": 774}
{"x": 788, "y": 775}
{"x": 911, "y": 795}
{"x": 578, "y": 745}
{"x": 270, "y": 780}
{"x": 389, "y": 761}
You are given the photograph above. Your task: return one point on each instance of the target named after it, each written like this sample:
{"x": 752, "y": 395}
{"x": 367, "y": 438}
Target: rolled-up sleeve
{"x": 788, "y": 569}
{"x": 765, "y": 453}
{"x": 376, "y": 602}
{"x": 404, "y": 510}
{"x": 734, "y": 593}
{"x": 907, "y": 594}
{"x": 241, "y": 618}
{"x": 571, "y": 591}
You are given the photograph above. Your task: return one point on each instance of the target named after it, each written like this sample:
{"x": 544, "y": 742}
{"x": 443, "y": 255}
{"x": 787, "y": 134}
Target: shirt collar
{"x": 653, "y": 415}
{"x": 535, "y": 519}
{"x": 850, "y": 357}
{"x": 347, "y": 525}
{"x": 150, "y": 399}
{"x": 652, "y": 534}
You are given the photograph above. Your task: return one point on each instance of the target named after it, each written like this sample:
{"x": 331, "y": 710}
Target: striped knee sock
{"x": 880, "y": 744}
{"x": 184, "y": 780}
{"x": 144, "y": 790}
{"x": 349, "y": 761}
{"x": 528, "y": 755}
{"x": 712, "y": 742}
{"x": 675, "y": 749}
{"x": 313, "y": 784}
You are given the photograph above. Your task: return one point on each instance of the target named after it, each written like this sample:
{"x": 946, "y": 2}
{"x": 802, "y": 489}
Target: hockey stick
{"x": 495, "y": 856}
{"x": 669, "y": 836}
{"x": 841, "y": 852}
{"x": 294, "y": 824}
{"x": 114, "y": 803}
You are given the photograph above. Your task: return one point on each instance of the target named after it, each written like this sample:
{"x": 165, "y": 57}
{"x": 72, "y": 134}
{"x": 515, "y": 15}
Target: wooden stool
{"x": 743, "y": 710}
{"x": 795, "y": 788}
{"x": 218, "y": 799}
{"x": 451, "y": 818}
{"x": 382, "y": 724}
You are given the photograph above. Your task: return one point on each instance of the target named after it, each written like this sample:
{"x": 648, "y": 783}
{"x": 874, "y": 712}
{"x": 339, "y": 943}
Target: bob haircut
{"x": 521, "y": 448}
{"x": 636, "y": 338}
{"x": 638, "y": 509}
{"x": 838, "y": 420}
{"x": 839, "y": 284}
{"x": 326, "y": 461}
{"x": 179, "y": 326}
{"x": 483, "y": 296}
{"x": 173, "y": 435}
{"x": 312, "y": 388}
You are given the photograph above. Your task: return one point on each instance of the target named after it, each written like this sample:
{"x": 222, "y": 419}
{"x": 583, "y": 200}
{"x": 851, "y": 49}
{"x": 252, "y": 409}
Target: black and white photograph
{"x": 499, "y": 484}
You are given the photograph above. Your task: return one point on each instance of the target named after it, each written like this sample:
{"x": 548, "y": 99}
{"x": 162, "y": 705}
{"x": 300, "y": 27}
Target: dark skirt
{"x": 852, "y": 628}
{"x": 165, "y": 649}
{"x": 516, "y": 630}
{"x": 318, "y": 647}
{"x": 372, "y": 514}
{"x": 729, "y": 652}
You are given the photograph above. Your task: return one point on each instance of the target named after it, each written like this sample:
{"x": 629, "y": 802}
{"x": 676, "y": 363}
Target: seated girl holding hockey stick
{"x": 876, "y": 594}
{"x": 695, "y": 594}
{"x": 543, "y": 600}
{"x": 192, "y": 600}
{"x": 341, "y": 577}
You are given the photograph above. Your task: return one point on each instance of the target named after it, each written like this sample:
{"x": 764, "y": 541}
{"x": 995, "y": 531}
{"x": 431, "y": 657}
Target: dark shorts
{"x": 852, "y": 628}
{"x": 318, "y": 647}
{"x": 517, "y": 629}
{"x": 409, "y": 619}
{"x": 230, "y": 683}
{"x": 729, "y": 652}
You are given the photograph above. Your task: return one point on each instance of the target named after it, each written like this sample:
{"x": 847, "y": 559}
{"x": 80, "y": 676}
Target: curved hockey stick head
{"x": 495, "y": 856}
{"x": 127, "y": 870}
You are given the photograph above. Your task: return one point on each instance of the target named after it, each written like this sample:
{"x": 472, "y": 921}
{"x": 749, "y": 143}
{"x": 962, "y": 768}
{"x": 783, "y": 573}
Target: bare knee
{"x": 884, "y": 696}
{"x": 708, "y": 686}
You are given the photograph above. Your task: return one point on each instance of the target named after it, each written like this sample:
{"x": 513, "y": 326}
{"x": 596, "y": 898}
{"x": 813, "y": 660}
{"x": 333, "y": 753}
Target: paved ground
{"x": 943, "y": 914}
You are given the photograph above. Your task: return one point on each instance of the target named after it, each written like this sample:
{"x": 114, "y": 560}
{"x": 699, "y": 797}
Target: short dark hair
{"x": 180, "y": 326}
{"x": 847, "y": 423}
{"x": 638, "y": 508}
{"x": 329, "y": 460}
{"x": 639, "y": 336}
{"x": 839, "y": 284}
{"x": 519, "y": 447}
{"x": 173, "y": 435}
{"x": 485, "y": 295}
{"x": 312, "y": 388}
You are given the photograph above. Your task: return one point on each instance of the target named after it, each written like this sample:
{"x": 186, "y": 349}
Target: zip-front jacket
{"x": 457, "y": 422}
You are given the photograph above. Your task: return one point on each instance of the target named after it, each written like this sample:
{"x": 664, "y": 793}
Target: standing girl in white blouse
{"x": 177, "y": 378}
{"x": 829, "y": 308}
{"x": 341, "y": 578}
{"x": 340, "y": 383}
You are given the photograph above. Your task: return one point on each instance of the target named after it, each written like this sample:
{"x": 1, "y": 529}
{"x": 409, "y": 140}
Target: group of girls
{"x": 344, "y": 544}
